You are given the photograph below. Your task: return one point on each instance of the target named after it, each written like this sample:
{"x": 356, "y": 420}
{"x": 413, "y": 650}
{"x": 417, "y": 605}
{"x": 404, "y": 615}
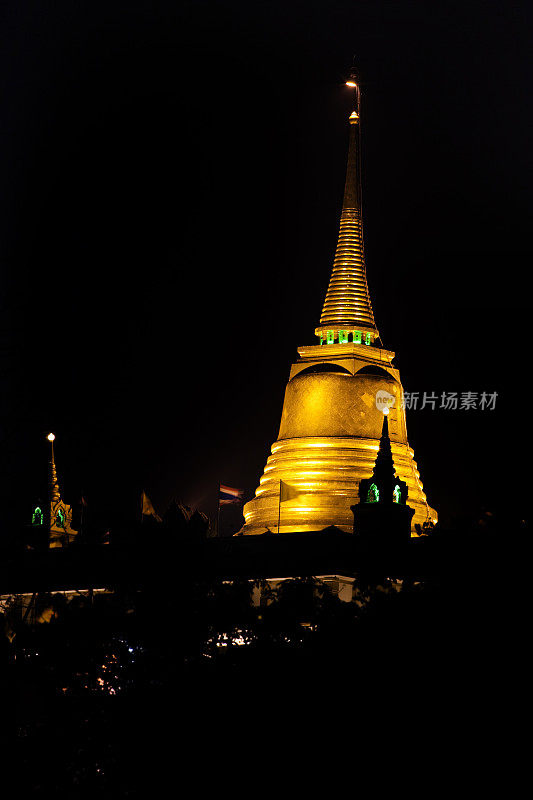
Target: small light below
{"x": 385, "y": 410}
{"x": 351, "y": 83}
{"x": 50, "y": 437}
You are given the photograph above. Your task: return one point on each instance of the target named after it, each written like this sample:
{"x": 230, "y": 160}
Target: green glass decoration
{"x": 373, "y": 494}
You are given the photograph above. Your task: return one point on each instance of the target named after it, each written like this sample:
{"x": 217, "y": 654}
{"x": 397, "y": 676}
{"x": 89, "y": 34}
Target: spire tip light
{"x": 351, "y": 81}
{"x": 51, "y": 437}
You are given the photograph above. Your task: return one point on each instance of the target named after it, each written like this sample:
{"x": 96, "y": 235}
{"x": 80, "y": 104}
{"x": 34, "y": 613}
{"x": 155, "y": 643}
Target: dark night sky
{"x": 171, "y": 182}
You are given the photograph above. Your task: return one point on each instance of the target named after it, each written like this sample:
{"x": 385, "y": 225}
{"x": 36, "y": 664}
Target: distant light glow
{"x": 351, "y": 83}
{"x": 51, "y": 437}
{"x": 385, "y": 410}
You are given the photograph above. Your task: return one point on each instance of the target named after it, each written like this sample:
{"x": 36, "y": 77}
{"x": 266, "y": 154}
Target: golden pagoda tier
{"x": 332, "y": 415}
{"x": 328, "y": 440}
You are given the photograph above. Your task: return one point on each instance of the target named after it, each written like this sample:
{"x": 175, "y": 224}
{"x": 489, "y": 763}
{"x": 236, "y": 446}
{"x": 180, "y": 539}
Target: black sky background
{"x": 172, "y": 177}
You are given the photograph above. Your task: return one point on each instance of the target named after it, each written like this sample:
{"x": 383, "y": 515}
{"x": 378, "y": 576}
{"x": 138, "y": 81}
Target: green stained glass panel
{"x": 373, "y": 494}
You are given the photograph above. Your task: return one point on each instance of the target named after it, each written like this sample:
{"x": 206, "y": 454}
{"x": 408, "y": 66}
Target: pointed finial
{"x": 353, "y": 79}
{"x": 53, "y": 484}
{"x": 353, "y": 83}
{"x": 384, "y": 465}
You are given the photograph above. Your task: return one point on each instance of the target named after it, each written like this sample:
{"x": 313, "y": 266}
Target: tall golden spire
{"x": 347, "y": 314}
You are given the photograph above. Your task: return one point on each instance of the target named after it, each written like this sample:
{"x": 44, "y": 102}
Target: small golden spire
{"x": 53, "y": 485}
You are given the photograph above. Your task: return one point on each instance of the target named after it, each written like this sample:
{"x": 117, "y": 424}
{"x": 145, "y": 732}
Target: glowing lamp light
{"x": 351, "y": 83}
{"x": 385, "y": 410}
{"x": 50, "y": 437}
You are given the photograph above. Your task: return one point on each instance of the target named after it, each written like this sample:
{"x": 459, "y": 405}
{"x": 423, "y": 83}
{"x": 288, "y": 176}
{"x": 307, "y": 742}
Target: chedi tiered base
{"x": 328, "y": 441}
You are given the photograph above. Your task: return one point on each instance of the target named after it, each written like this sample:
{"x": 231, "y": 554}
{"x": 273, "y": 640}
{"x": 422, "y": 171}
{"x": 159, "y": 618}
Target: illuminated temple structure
{"x": 54, "y": 518}
{"x": 332, "y": 413}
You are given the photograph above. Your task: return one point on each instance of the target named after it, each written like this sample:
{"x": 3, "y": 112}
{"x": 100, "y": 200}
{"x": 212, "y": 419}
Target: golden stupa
{"x": 332, "y": 413}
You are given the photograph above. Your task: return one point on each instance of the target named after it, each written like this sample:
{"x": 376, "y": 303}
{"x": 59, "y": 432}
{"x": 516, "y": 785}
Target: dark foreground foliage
{"x": 172, "y": 677}
{"x": 122, "y": 693}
